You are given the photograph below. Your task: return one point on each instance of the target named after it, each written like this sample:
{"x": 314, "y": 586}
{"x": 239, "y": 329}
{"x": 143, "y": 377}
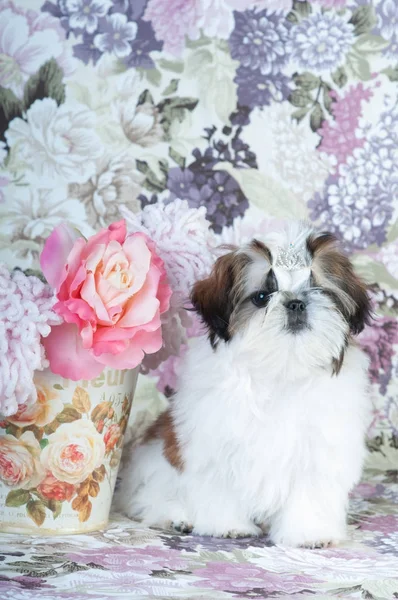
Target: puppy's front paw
{"x": 319, "y": 544}
{"x": 182, "y": 527}
{"x": 228, "y": 530}
{"x": 252, "y": 531}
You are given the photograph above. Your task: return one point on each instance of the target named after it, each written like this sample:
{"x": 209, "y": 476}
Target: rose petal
{"x": 64, "y": 349}
{"x": 55, "y": 254}
{"x": 143, "y": 343}
{"x": 142, "y": 306}
{"x": 89, "y": 293}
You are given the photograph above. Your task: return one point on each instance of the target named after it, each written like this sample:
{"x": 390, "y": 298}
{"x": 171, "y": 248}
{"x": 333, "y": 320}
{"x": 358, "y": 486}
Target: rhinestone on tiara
{"x": 289, "y": 259}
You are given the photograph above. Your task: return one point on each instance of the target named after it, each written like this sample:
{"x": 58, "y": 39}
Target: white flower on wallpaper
{"x": 116, "y": 181}
{"x": 27, "y": 41}
{"x": 29, "y": 215}
{"x": 288, "y": 150}
{"x": 56, "y": 141}
{"x": 140, "y": 123}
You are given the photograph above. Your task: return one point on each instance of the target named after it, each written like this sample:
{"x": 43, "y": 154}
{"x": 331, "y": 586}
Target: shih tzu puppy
{"x": 268, "y": 425}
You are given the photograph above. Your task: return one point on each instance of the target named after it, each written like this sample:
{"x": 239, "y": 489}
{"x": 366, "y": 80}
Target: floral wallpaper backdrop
{"x": 256, "y": 110}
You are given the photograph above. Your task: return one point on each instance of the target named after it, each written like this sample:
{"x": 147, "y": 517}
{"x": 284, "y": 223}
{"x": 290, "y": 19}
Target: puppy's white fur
{"x": 267, "y": 434}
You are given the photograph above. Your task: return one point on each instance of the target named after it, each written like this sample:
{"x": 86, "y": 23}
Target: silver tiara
{"x": 289, "y": 259}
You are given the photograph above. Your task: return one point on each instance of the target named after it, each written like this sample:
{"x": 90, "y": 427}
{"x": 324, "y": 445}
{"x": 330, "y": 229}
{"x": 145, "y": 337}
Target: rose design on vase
{"x": 74, "y": 451}
{"x": 56, "y": 457}
{"x": 19, "y": 461}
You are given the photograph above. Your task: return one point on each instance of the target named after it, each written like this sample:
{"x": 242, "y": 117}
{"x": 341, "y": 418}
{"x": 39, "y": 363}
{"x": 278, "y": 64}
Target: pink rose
{"x": 53, "y": 489}
{"x": 111, "y": 291}
{"x": 20, "y": 461}
{"x": 112, "y": 436}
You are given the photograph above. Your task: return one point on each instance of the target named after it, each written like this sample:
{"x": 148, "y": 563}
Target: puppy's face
{"x": 293, "y": 297}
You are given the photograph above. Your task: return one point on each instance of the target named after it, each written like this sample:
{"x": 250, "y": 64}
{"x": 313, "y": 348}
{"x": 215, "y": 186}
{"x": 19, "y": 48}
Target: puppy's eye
{"x": 260, "y": 299}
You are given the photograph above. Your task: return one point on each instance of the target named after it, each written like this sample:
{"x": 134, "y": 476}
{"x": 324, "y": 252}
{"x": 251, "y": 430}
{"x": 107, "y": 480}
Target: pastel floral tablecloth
{"x": 128, "y": 561}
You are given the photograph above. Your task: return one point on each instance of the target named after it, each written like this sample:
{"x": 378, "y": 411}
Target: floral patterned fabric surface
{"x": 127, "y": 561}
{"x": 256, "y": 110}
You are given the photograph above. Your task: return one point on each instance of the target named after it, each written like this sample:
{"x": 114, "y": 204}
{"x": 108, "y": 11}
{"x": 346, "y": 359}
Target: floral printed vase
{"x": 59, "y": 457}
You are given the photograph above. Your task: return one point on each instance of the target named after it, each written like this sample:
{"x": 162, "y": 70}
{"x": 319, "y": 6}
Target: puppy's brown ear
{"x": 338, "y": 270}
{"x": 215, "y": 298}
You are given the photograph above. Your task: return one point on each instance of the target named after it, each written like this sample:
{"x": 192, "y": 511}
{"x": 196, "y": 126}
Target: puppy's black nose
{"x": 296, "y": 306}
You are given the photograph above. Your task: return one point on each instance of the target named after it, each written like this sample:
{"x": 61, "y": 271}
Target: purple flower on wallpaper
{"x": 216, "y": 190}
{"x": 144, "y": 43}
{"x": 224, "y": 200}
{"x": 86, "y": 51}
{"x": 321, "y": 41}
{"x": 84, "y": 14}
{"x": 261, "y": 41}
{"x": 255, "y": 89}
{"x": 115, "y": 34}
{"x": 180, "y": 182}
{"x": 378, "y": 341}
{"x": 204, "y": 161}
{"x": 387, "y": 17}
{"x": 133, "y": 9}
{"x": 358, "y": 202}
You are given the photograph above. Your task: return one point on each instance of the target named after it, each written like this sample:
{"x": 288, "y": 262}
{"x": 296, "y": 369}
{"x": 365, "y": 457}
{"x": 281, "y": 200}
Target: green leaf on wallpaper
{"x": 145, "y": 98}
{"x": 316, "y": 117}
{"x": 392, "y": 73}
{"x": 306, "y": 81}
{"x": 300, "y": 114}
{"x": 369, "y": 44}
{"x": 177, "y": 66}
{"x": 17, "y": 498}
{"x": 46, "y": 83}
{"x": 371, "y": 270}
{"x": 266, "y": 193}
{"x": 303, "y": 9}
{"x": 153, "y": 76}
{"x": 43, "y": 443}
{"x": 202, "y": 41}
{"x": 171, "y": 88}
{"x": 153, "y": 183}
{"x": 300, "y": 98}
{"x": 340, "y": 77}
{"x": 214, "y": 70}
{"x": 359, "y": 66}
{"x": 10, "y": 107}
{"x": 392, "y": 233}
{"x": 142, "y": 166}
{"x": 364, "y": 19}
{"x": 327, "y": 99}
{"x": 180, "y": 160}
{"x": 174, "y": 108}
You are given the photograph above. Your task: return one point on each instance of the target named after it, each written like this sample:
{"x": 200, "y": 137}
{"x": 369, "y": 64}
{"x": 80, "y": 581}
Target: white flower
{"x": 73, "y": 451}
{"x": 288, "y": 150}
{"x": 27, "y": 41}
{"x": 321, "y": 42}
{"x": 30, "y": 214}
{"x": 115, "y": 182}
{"x": 56, "y": 140}
{"x": 19, "y": 461}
